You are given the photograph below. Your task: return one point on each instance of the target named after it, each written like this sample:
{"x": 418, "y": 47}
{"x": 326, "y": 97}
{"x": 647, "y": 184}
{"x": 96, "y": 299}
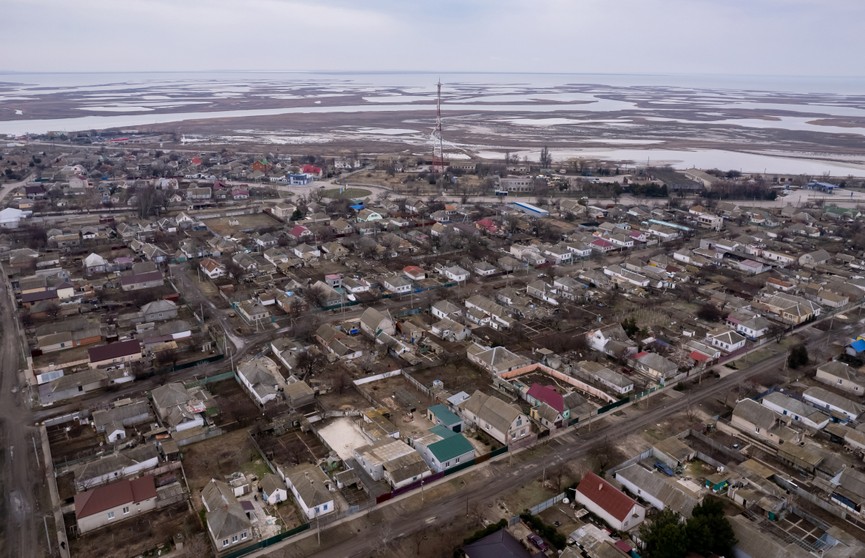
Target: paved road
{"x": 21, "y": 526}
{"x": 396, "y": 521}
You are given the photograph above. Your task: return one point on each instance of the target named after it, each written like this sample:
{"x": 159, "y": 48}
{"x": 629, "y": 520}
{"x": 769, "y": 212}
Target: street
{"x": 21, "y": 533}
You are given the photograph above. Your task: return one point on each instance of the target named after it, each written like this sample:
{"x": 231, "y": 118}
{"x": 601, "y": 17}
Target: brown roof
{"x": 114, "y": 350}
{"x": 109, "y": 496}
{"x": 610, "y": 498}
{"x": 145, "y": 277}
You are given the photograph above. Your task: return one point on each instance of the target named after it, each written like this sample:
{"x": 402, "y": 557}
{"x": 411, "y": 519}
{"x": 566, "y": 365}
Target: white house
{"x": 725, "y": 339}
{"x": 504, "y": 422}
{"x": 114, "y": 502}
{"x": 310, "y": 488}
{"x": 656, "y": 490}
{"x": 842, "y": 376}
{"x": 442, "y": 448}
{"x": 832, "y": 402}
{"x": 797, "y": 410}
{"x": 609, "y": 503}
{"x": 398, "y": 284}
{"x": 273, "y": 489}
{"x": 456, "y": 273}
{"x": 445, "y": 309}
{"x": 261, "y": 378}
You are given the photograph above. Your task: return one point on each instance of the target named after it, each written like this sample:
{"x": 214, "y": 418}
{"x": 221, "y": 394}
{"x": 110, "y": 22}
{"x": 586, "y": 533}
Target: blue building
{"x": 530, "y": 209}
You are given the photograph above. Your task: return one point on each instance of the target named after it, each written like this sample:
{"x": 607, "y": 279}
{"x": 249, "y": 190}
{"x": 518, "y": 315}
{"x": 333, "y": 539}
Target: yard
{"x": 137, "y": 536}
{"x": 292, "y": 447}
{"x": 348, "y": 193}
{"x": 72, "y": 441}
{"x": 220, "y": 456}
{"x": 236, "y": 408}
{"x": 238, "y": 224}
{"x": 456, "y": 376}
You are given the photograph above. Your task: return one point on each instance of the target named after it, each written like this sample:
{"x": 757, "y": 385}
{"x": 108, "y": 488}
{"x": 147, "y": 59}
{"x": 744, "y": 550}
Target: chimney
{"x": 600, "y": 486}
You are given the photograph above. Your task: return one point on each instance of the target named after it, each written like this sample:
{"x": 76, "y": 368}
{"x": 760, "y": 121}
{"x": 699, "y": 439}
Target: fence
{"x": 264, "y": 543}
{"x": 382, "y": 376}
{"x": 200, "y": 382}
{"x": 534, "y": 510}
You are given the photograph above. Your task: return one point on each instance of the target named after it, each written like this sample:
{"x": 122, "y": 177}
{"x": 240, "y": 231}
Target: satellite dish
{"x": 566, "y": 501}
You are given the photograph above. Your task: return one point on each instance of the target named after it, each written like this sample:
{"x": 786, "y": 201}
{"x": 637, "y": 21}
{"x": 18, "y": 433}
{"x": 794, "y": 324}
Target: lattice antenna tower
{"x": 438, "y": 143}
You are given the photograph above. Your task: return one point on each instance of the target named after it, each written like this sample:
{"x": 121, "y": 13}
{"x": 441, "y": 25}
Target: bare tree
{"x": 546, "y": 158}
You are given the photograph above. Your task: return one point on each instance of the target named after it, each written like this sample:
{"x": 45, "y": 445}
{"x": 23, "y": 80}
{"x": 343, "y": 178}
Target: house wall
{"x": 119, "y": 360}
{"x": 115, "y": 514}
{"x": 246, "y": 383}
{"x": 825, "y": 405}
{"x": 798, "y": 418}
{"x": 752, "y": 430}
{"x": 637, "y": 491}
{"x": 626, "y": 525}
{"x": 840, "y": 383}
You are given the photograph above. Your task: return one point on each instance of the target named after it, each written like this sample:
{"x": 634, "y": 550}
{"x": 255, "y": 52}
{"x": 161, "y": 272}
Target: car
{"x": 537, "y": 542}
{"x": 664, "y": 468}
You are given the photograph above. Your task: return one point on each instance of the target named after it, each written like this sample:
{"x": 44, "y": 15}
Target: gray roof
{"x": 491, "y": 409}
{"x": 270, "y": 483}
{"x": 835, "y": 400}
{"x": 657, "y": 485}
{"x": 115, "y": 462}
{"x": 755, "y": 413}
{"x": 311, "y": 483}
{"x": 841, "y": 370}
{"x": 158, "y": 306}
{"x": 500, "y": 358}
{"x": 500, "y": 544}
{"x": 225, "y": 516}
{"x": 136, "y": 412}
{"x": 796, "y": 407}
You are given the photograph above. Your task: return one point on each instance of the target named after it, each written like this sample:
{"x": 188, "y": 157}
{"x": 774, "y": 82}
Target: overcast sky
{"x": 780, "y": 37}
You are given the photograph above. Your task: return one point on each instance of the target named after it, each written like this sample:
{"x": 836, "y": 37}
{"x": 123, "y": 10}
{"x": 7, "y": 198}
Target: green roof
{"x": 444, "y": 415}
{"x": 450, "y": 447}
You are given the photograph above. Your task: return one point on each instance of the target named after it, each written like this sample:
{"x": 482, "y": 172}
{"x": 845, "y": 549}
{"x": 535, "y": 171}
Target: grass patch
{"x": 349, "y": 193}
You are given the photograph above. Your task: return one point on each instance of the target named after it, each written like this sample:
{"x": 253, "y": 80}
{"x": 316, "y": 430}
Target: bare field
{"x": 230, "y": 226}
{"x": 218, "y": 457}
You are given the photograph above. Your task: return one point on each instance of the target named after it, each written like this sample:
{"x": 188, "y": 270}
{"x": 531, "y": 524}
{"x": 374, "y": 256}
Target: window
{"x": 458, "y": 460}
{"x": 225, "y": 542}
{"x": 234, "y": 538}
{"x": 125, "y": 510}
{"x": 315, "y": 510}
{"x": 111, "y": 515}
{"x": 243, "y": 535}
{"x": 324, "y": 507}
{"x": 840, "y": 381}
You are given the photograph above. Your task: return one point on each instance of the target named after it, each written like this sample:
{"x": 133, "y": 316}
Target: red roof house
{"x": 548, "y": 395}
{"x": 312, "y": 169}
{"x": 114, "y": 502}
{"x": 609, "y": 503}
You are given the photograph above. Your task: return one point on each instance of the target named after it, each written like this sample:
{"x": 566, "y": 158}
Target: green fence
{"x": 210, "y": 379}
{"x": 613, "y": 405}
{"x": 266, "y": 542}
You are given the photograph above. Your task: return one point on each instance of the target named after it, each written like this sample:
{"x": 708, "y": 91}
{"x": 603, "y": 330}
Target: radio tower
{"x": 438, "y": 160}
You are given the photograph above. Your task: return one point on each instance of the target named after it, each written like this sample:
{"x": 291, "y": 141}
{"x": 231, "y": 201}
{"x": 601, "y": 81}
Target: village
{"x": 225, "y": 352}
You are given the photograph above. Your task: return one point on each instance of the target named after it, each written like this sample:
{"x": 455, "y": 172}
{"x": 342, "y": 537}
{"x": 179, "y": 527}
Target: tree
{"x": 630, "y": 326}
{"x": 664, "y": 537}
{"x": 148, "y": 201}
{"x": 546, "y": 158}
{"x": 798, "y": 356}
{"x": 710, "y": 313}
{"x": 708, "y": 530}
{"x": 309, "y": 362}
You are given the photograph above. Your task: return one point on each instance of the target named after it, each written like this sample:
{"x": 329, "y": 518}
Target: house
{"x": 800, "y": 412}
{"x": 120, "y": 352}
{"x": 497, "y": 360}
{"x": 484, "y": 269}
{"x": 123, "y": 463}
{"x": 398, "y": 284}
{"x": 654, "y": 365}
{"x": 298, "y": 393}
{"x": 450, "y": 330}
{"x": 212, "y": 268}
{"x": 252, "y": 312}
{"x": 311, "y": 489}
{"x": 440, "y": 415}
{"x": 11, "y": 217}
{"x": 500, "y": 544}
{"x": 261, "y": 378}
{"x": 657, "y": 490}
{"x": 299, "y": 233}
{"x": 836, "y": 404}
{"x": 503, "y": 421}
{"x": 273, "y": 489}
{"x": 375, "y": 323}
{"x": 94, "y": 263}
{"x": 752, "y": 326}
{"x": 609, "y": 503}
{"x": 114, "y": 502}
{"x": 112, "y": 422}
{"x": 842, "y": 376}
{"x": 446, "y": 309}
{"x": 158, "y": 311}
{"x": 790, "y": 309}
{"x": 548, "y": 405}
{"x": 306, "y": 252}
{"x": 611, "y": 340}
{"x": 368, "y": 215}
{"x": 139, "y": 281}
{"x": 180, "y": 408}
{"x": 760, "y": 421}
{"x": 392, "y": 460}
{"x": 611, "y": 379}
{"x": 813, "y": 259}
{"x": 337, "y": 344}
{"x": 442, "y": 448}
{"x": 456, "y": 273}
{"x": 542, "y": 291}
{"x": 227, "y": 522}
{"x": 725, "y": 339}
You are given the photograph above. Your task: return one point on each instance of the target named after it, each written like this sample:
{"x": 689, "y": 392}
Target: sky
{"x": 762, "y": 37}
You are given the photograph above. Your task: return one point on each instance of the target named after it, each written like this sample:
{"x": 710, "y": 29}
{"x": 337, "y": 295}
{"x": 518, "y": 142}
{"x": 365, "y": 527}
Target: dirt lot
{"x": 78, "y": 441}
{"x": 221, "y": 456}
{"x": 236, "y": 408}
{"x": 136, "y": 536}
{"x": 345, "y": 400}
{"x": 456, "y": 376}
{"x": 223, "y": 226}
{"x": 292, "y": 448}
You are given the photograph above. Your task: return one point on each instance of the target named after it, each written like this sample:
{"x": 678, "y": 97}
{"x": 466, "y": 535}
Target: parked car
{"x": 664, "y": 468}
{"x": 537, "y": 542}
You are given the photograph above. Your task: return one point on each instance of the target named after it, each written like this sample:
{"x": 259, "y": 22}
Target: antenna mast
{"x": 438, "y": 144}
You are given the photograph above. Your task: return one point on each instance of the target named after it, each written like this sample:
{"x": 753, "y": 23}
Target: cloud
{"x": 614, "y": 36}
